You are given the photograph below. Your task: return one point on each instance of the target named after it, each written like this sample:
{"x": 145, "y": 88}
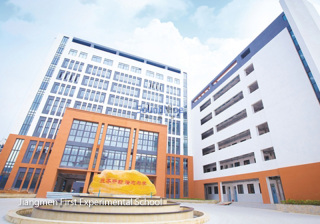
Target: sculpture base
{"x": 120, "y": 209}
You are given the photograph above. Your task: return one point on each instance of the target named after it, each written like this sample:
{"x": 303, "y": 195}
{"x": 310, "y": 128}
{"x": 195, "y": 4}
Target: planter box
{"x": 305, "y": 209}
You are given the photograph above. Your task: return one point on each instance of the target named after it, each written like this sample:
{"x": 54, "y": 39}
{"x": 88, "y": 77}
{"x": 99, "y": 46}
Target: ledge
{"x": 305, "y": 209}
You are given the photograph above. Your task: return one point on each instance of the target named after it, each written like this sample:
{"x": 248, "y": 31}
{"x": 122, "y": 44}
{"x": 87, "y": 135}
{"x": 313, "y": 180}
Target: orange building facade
{"x": 88, "y": 143}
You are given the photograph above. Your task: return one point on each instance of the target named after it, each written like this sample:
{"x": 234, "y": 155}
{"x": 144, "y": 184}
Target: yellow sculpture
{"x": 122, "y": 182}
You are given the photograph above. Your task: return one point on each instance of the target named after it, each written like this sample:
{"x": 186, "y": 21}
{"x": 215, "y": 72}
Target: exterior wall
{"x": 20, "y": 164}
{"x": 185, "y": 176}
{"x": 290, "y": 108}
{"x": 53, "y": 167}
{"x": 305, "y": 22}
{"x": 298, "y": 182}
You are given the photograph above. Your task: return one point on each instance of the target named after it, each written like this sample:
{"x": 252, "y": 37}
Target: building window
{"x": 208, "y": 150}
{"x": 216, "y": 190}
{"x": 76, "y": 157}
{"x": 240, "y": 189}
{"x": 73, "y": 52}
{"x": 231, "y": 84}
{"x": 19, "y": 177}
{"x": 177, "y": 81}
{"x": 123, "y": 66}
{"x": 207, "y": 134}
{"x": 249, "y": 69}
{"x": 136, "y": 69}
{"x": 159, "y": 76}
{"x": 258, "y": 106}
{"x": 209, "y": 168}
{"x": 169, "y": 79}
{"x": 205, "y": 105}
{"x": 244, "y": 54}
{"x": 82, "y": 131}
{"x": 108, "y": 62}
{"x": 224, "y": 189}
{"x": 235, "y": 139}
{"x": 246, "y": 162}
{"x": 229, "y": 103}
{"x": 268, "y": 154}
{"x": 230, "y": 121}
{"x": 263, "y": 128}
{"x": 206, "y": 119}
{"x": 83, "y": 55}
{"x": 250, "y": 188}
{"x": 253, "y": 87}
{"x": 150, "y": 73}
{"x": 96, "y": 58}
{"x": 236, "y": 164}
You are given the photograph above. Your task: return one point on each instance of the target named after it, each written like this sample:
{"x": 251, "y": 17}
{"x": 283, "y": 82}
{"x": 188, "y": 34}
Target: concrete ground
{"x": 236, "y": 213}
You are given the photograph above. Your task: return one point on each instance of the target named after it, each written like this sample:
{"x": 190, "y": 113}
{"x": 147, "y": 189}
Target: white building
{"x": 85, "y": 75}
{"x": 255, "y": 127}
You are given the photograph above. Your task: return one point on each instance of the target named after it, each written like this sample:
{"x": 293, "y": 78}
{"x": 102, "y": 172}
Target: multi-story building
{"x": 88, "y": 76}
{"x": 256, "y": 125}
{"x": 84, "y": 75}
{"x": 86, "y": 144}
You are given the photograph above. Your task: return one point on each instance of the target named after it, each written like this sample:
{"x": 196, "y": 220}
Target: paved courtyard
{"x": 231, "y": 214}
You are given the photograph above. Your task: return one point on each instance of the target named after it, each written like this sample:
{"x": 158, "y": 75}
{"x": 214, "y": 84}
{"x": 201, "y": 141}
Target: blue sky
{"x": 198, "y": 36}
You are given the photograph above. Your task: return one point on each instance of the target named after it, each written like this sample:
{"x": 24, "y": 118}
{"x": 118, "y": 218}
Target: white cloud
{"x": 203, "y": 16}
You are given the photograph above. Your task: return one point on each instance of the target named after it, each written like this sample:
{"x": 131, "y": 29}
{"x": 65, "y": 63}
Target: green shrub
{"x": 301, "y": 202}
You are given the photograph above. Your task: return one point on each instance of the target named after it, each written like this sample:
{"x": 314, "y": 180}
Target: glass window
{"x": 159, "y": 76}
{"x": 83, "y": 55}
{"x": 108, "y": 62}
{"x": 29, "y": 152}
{"x": 76, "y": 156}
{"x": 123, "y": 66}
{"x": 150, "y": 73}
{"x": 177, "y": 81}
{"x": 136, "y": 69}
{"x": 250, "y": 188}
{"x": 82, "y": 131}
{"x": 73, "y": 52}
{"x": 96, "y": 58}
{"x": 169, "y": 79}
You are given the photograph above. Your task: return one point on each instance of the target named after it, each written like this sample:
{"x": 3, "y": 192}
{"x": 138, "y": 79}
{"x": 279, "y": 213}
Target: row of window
{"x": 62, "y": 89}
{"x": 149, "y": 95}
{"x": 149, "y": 84}
{"x": 151, "y": 74}
{"x": 226, "y": 88}
{"x": 56, "y": 106}
{"x": 173, "y": 165}
{"x": 173, "y": 188}
{"x": 125, "y": 78}
{"x": 76, "y": 156}
{"x": 83, "y": 132}
{"x": 68, "y": 76}
{"x": 150, "y": 118}
{"x": 98, "y": 71}
{"x": 250, "y": 188}
{"x": 125, "y": 90}
{"x": 94, "y": 58}
{"x": 174, "y": 101}
{"x": 173, "y": 126}
{"x": 91, "y": 95}
{"x": 173, "y": 90}
{"x": 246, "y": 159}
{"x": 88, "y": 106}
{"x": 72, "y": 65}
{"x": 173, "y": 145}
{"x": 123, "y": 102}
{"x": 39, "y": 151}
{"x": 23, "y": 178}
{"x": 121, "y": 113}
{"x": 95, "y": 82}
{"x": 47, "y": 128}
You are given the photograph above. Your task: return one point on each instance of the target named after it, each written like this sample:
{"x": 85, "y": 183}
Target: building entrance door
{"x": 235, "y": 194}
{"x": 274, "y": 194}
